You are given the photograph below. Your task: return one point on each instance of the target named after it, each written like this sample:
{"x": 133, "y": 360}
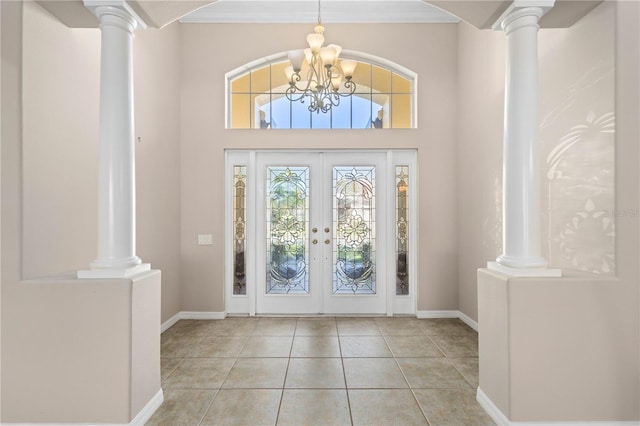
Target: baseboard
{"x": 448, "y": 314}
{"x": 193, "y": 316}
{"x": 203, "y": 315}
{"x": 501, "y": 420}
{"x": 147, "y": 411}
{"x": 437, "y": 314}
{"x": 170, "y": 322}
{"x": 467, "y": 320}
{"x": 491, "y": 409}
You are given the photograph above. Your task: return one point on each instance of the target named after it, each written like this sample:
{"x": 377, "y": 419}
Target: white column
{"x": 521, "y": 211}
{"x": 116, "y": 159}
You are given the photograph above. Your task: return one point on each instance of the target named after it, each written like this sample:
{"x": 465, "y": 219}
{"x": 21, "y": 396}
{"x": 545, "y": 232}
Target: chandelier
{"x": 326, "y": 77}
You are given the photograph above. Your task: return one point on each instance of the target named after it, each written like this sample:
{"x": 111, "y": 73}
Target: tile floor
{"x": 320, "y": 371}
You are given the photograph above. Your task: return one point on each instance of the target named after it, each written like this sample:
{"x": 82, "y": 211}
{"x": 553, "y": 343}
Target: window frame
{"x": 383, "y": 63}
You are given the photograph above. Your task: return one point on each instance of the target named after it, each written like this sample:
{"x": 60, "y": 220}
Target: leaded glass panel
{"x": 402, "y": 228}
{"x": 354, "y": 225}
{"x": 239, "y": 226}
{"x": 287, "y": 229}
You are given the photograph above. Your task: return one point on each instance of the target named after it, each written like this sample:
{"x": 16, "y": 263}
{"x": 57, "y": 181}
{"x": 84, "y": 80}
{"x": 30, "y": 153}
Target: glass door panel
{"x": 287, "y": 213}
{"x": 354, "y": 227}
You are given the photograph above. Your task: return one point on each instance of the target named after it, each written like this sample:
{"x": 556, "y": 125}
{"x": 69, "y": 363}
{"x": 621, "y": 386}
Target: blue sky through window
{"x": 353, "y": 112}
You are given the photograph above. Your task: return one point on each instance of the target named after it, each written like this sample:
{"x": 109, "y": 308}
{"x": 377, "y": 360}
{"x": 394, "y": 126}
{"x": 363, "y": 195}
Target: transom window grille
{"x": 384, "y": 98}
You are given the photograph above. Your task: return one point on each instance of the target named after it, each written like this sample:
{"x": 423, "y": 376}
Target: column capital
{"x": 533, "y": 9}
{"x": 103, "y": 9}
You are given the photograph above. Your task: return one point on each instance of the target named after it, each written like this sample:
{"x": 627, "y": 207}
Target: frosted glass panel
{"x": 354, "y": 225}
{"x": 287, "y": 229}
{"x": 239, "y": 226}
{"x": 402, "y": 230}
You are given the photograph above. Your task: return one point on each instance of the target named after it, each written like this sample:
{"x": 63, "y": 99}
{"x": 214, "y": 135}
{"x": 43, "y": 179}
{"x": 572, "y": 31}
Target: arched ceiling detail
{"x": 479, "y": 13}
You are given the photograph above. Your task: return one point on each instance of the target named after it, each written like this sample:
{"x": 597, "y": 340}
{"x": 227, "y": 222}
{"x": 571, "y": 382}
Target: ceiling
{"x": 332, "y": 11}
{"x": 479, "y": 13}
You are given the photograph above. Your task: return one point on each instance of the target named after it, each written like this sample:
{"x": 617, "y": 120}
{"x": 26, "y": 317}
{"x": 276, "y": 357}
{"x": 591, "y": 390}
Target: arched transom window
{"x": 384, "y": 97}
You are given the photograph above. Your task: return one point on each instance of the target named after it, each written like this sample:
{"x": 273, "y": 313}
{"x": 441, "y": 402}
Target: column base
{"x": 114, "y": 272}
{"x": 524, "y": 272}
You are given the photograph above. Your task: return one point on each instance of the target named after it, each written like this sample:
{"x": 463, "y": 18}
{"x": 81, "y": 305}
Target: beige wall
{"x": 209, "y": 51}
{"x": 481, "y": 65}
{"x": 59, "y": 149}
{"x": 576, "y": 73}
{"x": 584, "y": 325}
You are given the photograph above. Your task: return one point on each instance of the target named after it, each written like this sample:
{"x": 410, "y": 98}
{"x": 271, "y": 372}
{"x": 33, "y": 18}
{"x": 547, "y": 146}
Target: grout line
{"x": 344, "y": 375}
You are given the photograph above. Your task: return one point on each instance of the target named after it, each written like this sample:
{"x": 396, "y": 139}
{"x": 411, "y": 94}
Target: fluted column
{"x": 521, "y": 211}
{"x": 116, "y": 158}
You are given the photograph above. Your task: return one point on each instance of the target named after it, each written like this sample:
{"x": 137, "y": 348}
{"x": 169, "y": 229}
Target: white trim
{"x": 191, "y": 315}
{"x": 467, "y": 320}
{"x": 203, "y": 315}
{"x": 449, "y": 314}
{"x": 170, "y": 322}
{"x": 501, "y": 420}
{"x": 147, "y": 411}
{"x": 437, "y": 314}
{"x": 491, "y": 409}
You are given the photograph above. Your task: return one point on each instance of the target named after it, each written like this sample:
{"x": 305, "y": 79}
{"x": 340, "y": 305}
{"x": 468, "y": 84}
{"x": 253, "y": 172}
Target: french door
{"x": 320, "y": 232}
{"x": 323, "y": 241}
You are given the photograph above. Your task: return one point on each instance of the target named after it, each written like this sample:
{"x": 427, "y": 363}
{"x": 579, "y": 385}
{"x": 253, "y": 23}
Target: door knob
{"x": 314, "y": 230}
{"x": 327, "y": 230}
{"x": 315, "y": 241}
{"x": 327, "y": 241}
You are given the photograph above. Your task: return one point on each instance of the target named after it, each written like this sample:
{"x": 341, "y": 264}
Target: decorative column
{"x": 521, "y": 211}
{"x": 116, "y": 168}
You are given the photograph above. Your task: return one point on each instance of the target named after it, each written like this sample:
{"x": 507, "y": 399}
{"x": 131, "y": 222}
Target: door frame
{"x": 246, "y": 304}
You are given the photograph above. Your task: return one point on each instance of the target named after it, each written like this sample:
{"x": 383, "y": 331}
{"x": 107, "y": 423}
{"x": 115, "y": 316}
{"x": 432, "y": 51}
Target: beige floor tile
{"x": 267, "y": 346}
{"x": 244, "y": 407}
{"x": 413, "y": 346}
{"x": 385, "y": 407}
{"x": 315, "y": 373}
{"x": 199, "y": 373}
{"x": 275, "y": 327}
{"x": 357, "y": 327}
{"x": 177, "y": 346}
{"x": 379, "y": 373}
{"x": 322, "y": 407}
{"x": 189, "y": 328}
{"x": 182, "y": 407}
{"x": 399, "y": 327}
{"x": 432, "y": 373}
{"x": 316, "y": 327}
{"x": 257, "y": 373}
{"x": 167, "y": 365}
{"x": 445, "y": 407}
{"x": 315, "y": 346}
{"x": 233, "y": 327}
{"x": 458, "y": 346}
{"x": 219, "y": 346}
{"x": 469, "y": 369}
{"x": 446, "y": 327}
{"x": 364, "y": 347}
